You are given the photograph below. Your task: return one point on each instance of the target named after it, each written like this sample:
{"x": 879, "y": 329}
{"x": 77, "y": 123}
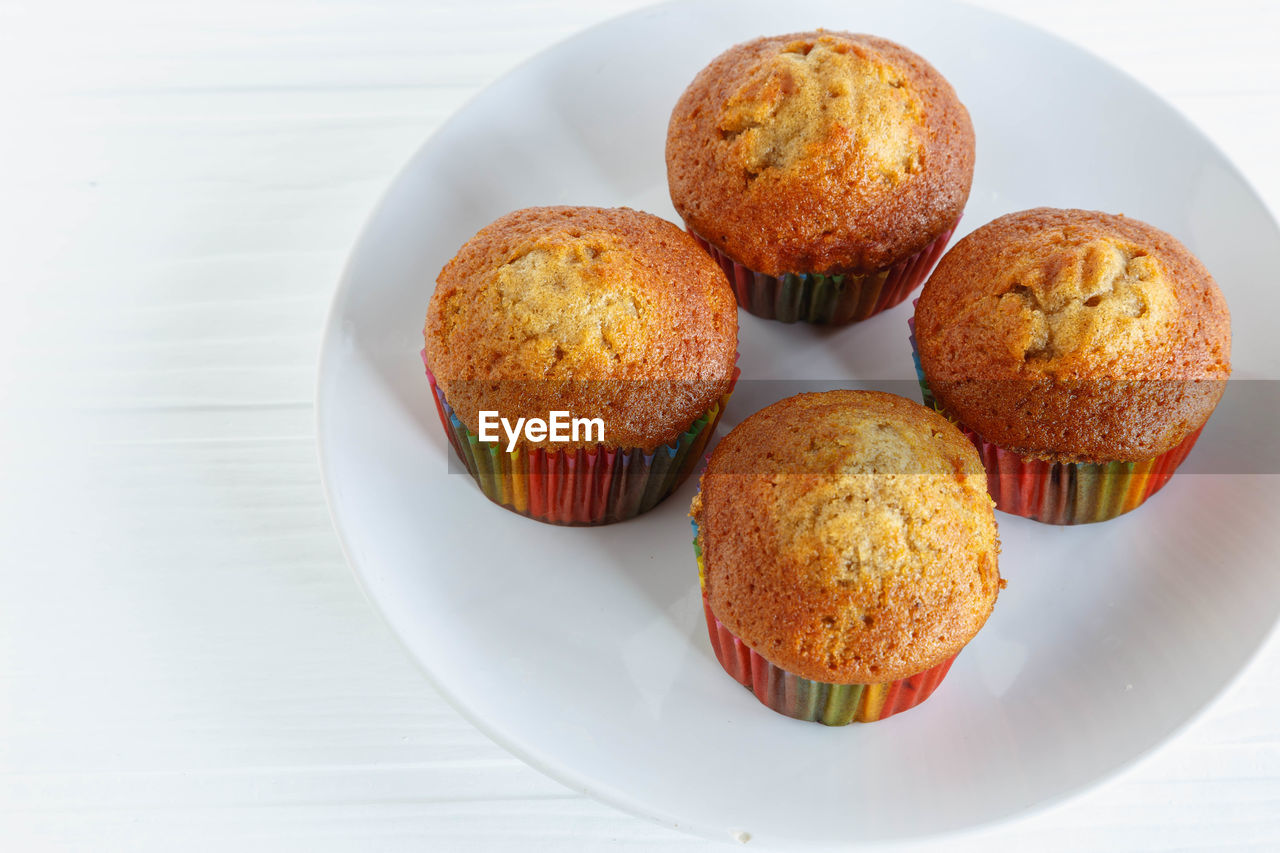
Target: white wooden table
{"x": 186, "y": 663}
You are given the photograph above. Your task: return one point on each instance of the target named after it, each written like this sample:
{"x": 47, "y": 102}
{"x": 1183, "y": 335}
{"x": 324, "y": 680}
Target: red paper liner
{"x": 581, "y": 487}
{"x": 805, "y": 699}
{"x": 817, "y": 701}
{"x": 1062, "y": 492}
{"x": 1073, "y": 492}
{"x": 828, "y": 299}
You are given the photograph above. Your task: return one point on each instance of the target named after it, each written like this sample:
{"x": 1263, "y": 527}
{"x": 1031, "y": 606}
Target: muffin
{"x": 1082, "y": 352}
{"x": 825, "y": 171}
{"x": 615, "y": 319}
{"x": 847, "y": 551}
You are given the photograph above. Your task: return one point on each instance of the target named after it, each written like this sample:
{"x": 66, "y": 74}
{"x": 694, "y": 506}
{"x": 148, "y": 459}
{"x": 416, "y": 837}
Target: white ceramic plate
{"x": 584, "y": 652}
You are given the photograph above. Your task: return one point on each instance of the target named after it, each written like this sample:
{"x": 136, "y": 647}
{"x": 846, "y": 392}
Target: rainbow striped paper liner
{"x": 834, "y": 299}
{"x": 1062, "y": 492}
{"x": 805, "y": 699}
{"x": 581, "y": 487}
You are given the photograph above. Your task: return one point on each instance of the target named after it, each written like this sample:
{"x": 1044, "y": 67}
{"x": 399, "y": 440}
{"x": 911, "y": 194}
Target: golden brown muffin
{"x": 1074, "y": 336}
{"x": 608, "y": 313}
{"x": 819, "y": 152}
{"x": 848, "y": 536}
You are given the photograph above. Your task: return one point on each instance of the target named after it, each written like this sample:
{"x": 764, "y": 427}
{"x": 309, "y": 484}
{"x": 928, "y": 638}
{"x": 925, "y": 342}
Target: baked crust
{"x": 848, "y": 536}
{"x": 1074, "y": 335}
{"x": 608, "y": 313}
{"x": 819, "y": 152}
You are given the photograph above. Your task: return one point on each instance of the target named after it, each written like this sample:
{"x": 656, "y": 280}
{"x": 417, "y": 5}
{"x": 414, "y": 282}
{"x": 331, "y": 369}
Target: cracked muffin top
{"x": 1074, "y": 335}
{"x": 848, "y": 536}
{"x": 608, "y": 313}
{"x": 819, "y": 152}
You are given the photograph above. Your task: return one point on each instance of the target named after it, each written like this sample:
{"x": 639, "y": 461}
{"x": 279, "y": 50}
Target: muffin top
{"x": 848, "y": 536}
{"x": 819, "y": 152}
{"x": 1074, "y": 335}
{"x": 608, "y": 313}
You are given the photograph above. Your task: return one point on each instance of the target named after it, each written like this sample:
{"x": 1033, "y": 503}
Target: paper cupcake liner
{"x": 829, "y": 299}
{"x": 805, "y": 699}
{"x": 1062, "y": 492}
{"x": 1073, "y": 493}
{"x": 580, "y": 487}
